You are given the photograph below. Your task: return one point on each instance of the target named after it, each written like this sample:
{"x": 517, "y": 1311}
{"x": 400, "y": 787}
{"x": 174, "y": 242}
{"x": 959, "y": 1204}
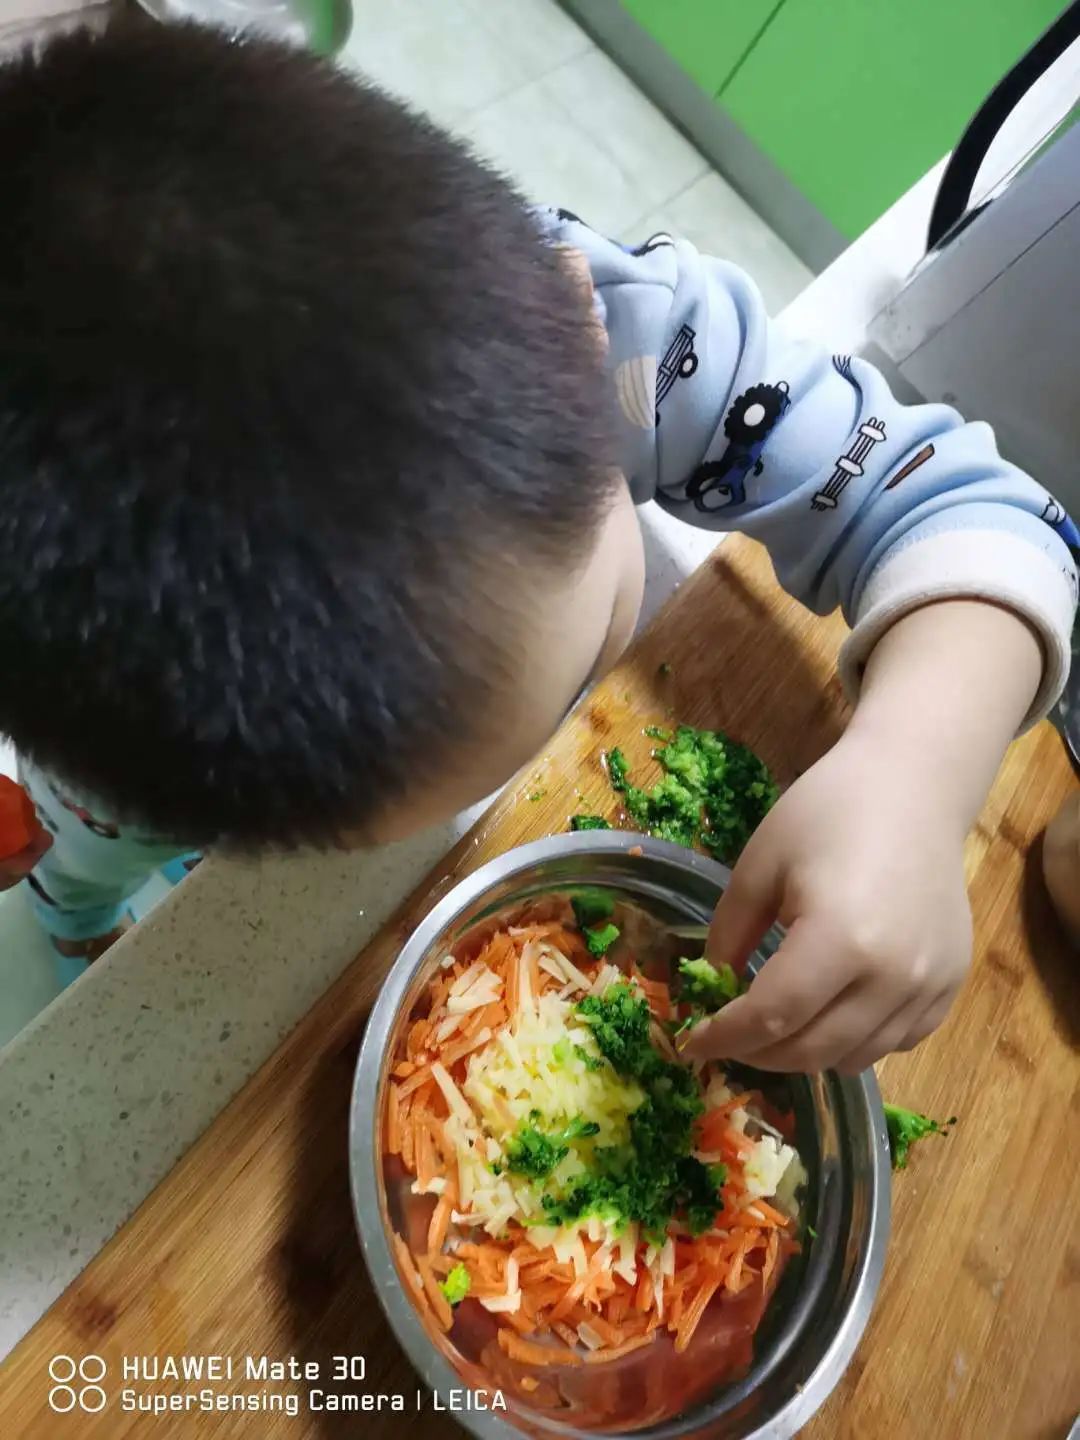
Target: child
{"x": 317, "y": 512}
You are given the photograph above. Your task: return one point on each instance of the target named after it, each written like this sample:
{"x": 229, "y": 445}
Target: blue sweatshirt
{"x": 862, "y": 502}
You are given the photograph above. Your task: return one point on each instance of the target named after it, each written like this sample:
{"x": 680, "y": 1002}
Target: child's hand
{"x": 862, "y": 859}
{"x": 859, "y": 862}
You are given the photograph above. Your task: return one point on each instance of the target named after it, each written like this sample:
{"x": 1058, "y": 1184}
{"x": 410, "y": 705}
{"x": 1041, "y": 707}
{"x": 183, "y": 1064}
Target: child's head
{"x": 308, "y": 523}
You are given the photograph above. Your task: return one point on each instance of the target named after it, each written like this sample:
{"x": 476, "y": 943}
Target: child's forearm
{"x": 944, "y": 692}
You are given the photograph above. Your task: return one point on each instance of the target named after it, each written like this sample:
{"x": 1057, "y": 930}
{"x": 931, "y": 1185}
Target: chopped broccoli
{"x": 907, "y": 1126}
{"x": 456, "y": 1285}
{"x": 537, "y": 795}
{"x": 536, "y": 1155}
{"x": 592, "y": 905}
{"x": 617, "y": 769}
{"x": 656, "y": 1175}
{"x": 600, "y": 938}
{"x": 591, "y": 1062}
{"x": 620, "y": 1026}
{"x": 593, "y": 910}
{"x": 589, "y": 822}
{"x": 714, "y": 792}
{"x": 560, "y": 1051}
{"x": 705, "y": 986}
{"x": 670, "y": 810}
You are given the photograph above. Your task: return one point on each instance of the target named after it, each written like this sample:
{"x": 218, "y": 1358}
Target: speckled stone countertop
{"x": 109, "y": 1086}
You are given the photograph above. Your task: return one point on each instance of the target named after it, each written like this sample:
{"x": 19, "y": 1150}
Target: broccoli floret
{"x": 600, "y": 938}
{"x": 905, "y": 1128}
{"x": 620, "y": 1026}
{"x": 533, "y": 1153}
{"x": 655, "y": 1176}
{"x": 694, "y": 756}
{"x": 536, "y": 1155}
{"x": 617, "y": 769}
{"x": 670, "y": 810}
{"x": 736, "y": 806}
{"x": 706, "y": 986}
{"x": 456, "y": 1285}
{"x": 589, "y": 822}
{"x": 591, "y": 905}
{"x": 714, "y": 792}
{"x": 592, "y": 908}
{"x": 591, "y": 1062}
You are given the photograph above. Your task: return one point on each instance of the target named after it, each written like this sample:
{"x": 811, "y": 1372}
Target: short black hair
{"x": 284, "y": 371}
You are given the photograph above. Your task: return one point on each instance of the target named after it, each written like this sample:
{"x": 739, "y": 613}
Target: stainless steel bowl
{"x": 818, "y": 1315}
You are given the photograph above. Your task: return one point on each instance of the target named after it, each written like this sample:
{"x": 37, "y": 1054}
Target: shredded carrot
{"x": 646, "y": 1295}
{"x": 419, "y": 1077}
{"x": 393, "y": 1121}
{"x": 439, "y": 1302}
{"x": 440, "y": 1223}
{"x": 747, "y": 1240}
{"x": 602, "y": 1357}
{"x": 771, "y": 1215}
{"x": 530, "y": 1353}
{"x": 453, "y": 1053}
{"x": 564, "y": 1318}
{"x": 521, "y": 1323}
{"x": 691, "y": 1316}
{"x": 425, "y": 1152}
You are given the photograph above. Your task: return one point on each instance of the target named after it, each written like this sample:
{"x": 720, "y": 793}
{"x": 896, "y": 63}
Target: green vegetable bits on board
{"x": 906, "y": 1127}
{"x": 714, "y": 792}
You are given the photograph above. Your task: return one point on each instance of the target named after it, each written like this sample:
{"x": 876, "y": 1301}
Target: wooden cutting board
{"x": 248, "y": 1247}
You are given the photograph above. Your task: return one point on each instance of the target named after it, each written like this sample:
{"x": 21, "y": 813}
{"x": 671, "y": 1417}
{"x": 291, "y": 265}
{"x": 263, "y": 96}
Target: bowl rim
{"x": 364, "y": 1155}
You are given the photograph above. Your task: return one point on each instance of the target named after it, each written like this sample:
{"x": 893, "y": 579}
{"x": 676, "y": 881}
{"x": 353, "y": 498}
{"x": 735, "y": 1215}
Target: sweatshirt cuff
{"x": 992, "y": 565}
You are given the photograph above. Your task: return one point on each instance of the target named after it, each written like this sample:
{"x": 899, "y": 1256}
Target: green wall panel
{"x": 706, "y": 37}
{"x": 855, "y": 99}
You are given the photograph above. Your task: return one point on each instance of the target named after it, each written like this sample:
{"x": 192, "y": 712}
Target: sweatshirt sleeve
{"x": 862, "y": 502}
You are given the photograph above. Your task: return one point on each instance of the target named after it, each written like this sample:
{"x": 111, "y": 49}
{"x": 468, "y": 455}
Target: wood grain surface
{"x": 248, "y": 1246}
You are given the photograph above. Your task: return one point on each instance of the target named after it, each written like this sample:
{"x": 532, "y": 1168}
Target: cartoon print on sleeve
{"x": 849, "y": 466}
{"x": 654, "y": 242}
{"x": 719, "y": 484}
{"x": 1058, "y": 518}
{"x": 679, "y": 363}
{"x": 926, "y": 453}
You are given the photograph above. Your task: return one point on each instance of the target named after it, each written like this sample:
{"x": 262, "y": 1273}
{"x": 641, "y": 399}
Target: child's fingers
{"x": 746, "y": 910}
{"x": 914, "y": 1023}
{"x": 890, "y": 1036}
{"x": 831, "y": 1035}
{"x": 805, "y": 975}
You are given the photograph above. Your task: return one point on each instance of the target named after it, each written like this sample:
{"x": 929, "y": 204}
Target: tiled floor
{"x": 525, "y": 85}
{"x": 530, "y": 91}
